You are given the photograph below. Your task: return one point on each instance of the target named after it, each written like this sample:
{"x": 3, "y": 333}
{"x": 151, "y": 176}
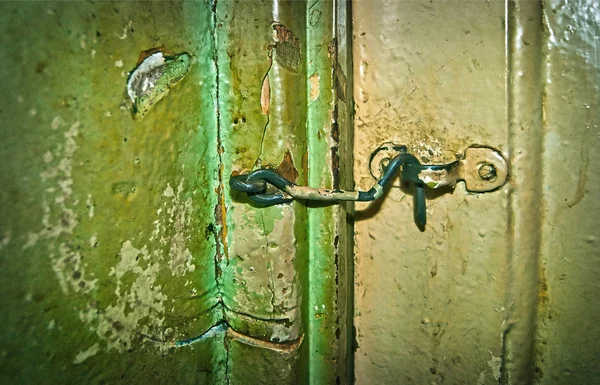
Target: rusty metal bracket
{"x": 481, "y": 168}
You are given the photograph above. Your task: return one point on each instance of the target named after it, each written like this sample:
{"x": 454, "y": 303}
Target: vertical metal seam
{"x": 524, "y": 90}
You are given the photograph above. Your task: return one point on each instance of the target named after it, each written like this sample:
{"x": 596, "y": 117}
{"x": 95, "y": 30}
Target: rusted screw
{"x": 384, "y": 163}
{"x": 487, "y": 171}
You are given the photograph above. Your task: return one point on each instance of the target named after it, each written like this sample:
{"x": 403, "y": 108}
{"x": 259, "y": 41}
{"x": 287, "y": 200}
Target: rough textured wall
{"x": 500, "y": 287}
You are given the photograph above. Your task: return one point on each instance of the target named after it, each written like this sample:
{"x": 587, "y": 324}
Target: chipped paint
{"x": 314, "y": 86}
{"x": 88, "y": 183}
{"x": 287, "y": 47}
{"x": 85, "y": 354}
{"x": 151, "y": 80}
{"x": 90, "y": 205}
{"x": 495, "y": 364}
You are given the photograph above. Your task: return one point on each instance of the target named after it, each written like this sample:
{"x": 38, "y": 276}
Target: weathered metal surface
{"x": 568, "y": 329}
{"x": 500, "y": 288}
{"x": 105, "y": 261}
{"x": 430, "y": 306}
{"x": 124, "y": 255}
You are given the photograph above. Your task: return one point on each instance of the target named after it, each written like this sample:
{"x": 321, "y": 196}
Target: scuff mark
{"x": 582, "y": 181}
{"x": 85, "y": 354}
{"x": 5, "y": 239}
{"x": 90, "y": 206}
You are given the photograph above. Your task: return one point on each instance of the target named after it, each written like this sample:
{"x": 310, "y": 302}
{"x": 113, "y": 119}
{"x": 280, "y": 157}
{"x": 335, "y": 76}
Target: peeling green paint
{"x": 121, "y": 238}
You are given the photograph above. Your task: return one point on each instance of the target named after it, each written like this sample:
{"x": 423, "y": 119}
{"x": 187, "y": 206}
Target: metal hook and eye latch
{"x": 480, "y": 168}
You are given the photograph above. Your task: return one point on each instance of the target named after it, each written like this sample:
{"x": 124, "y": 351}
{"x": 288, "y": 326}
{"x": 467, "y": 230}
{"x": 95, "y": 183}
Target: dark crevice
{"x": 220, "y": 220}
{"x": 258, "y": 161}
{"x": 254, "y": 317}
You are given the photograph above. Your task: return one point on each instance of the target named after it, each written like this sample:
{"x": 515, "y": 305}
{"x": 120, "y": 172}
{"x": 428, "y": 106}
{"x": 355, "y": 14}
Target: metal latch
{"x": 480, "y": 168}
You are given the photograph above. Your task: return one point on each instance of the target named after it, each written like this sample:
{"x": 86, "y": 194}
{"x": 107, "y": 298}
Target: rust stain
{"x": 281, "y": 347}
{"x": 339, "y": 78}
{"x": 335, "y": 154}
{"x": 265, "y": 90}
{"x": 146, "y": 53}
{"x": 287, "y": 48}
{"x": 305, "y": 167}
{"x": 286, "y": 168}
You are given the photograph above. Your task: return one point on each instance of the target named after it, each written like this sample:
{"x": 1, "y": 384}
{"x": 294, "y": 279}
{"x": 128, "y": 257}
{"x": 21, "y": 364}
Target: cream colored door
{"x": 501, "y": 287}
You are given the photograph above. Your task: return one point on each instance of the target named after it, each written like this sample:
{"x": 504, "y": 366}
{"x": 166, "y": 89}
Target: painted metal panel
{"x": 568, "y": 331}
{"x": 500, "y": 287}
{"x": 105, "y": 259}
{"x": 125, "y": 255}
{"x": 430, "y": 305}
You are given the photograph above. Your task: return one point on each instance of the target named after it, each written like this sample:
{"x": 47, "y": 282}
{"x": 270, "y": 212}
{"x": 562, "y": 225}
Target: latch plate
{"x": 481, "y": 168}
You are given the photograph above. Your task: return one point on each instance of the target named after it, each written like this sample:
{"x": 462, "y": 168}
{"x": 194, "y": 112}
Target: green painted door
{"x": 124, "y": 256}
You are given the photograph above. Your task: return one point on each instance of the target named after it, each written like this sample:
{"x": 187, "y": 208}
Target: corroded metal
{"x": 481, "y": 168}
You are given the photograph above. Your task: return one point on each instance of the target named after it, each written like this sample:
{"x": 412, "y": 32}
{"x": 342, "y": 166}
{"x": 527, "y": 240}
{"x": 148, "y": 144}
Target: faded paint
{"x": 499, "y": 288}
{"x": 94, "y": 256}
{"x": 413, "y": 81}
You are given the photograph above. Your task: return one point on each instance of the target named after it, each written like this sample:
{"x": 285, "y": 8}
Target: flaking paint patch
{"x": 137, "y": 313}
{"x": 177, "y": 216}
{"x": 495, "y": 364}
{"x": 59, "y": 217}
{"x": 90, "y": 205}
{"x": 140, "y": 306}
{"x": 265, "y": 272}
{"x": 121, "y": 322}
{"x": 32, "y": 239}
{"x": 314, "y": 86}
